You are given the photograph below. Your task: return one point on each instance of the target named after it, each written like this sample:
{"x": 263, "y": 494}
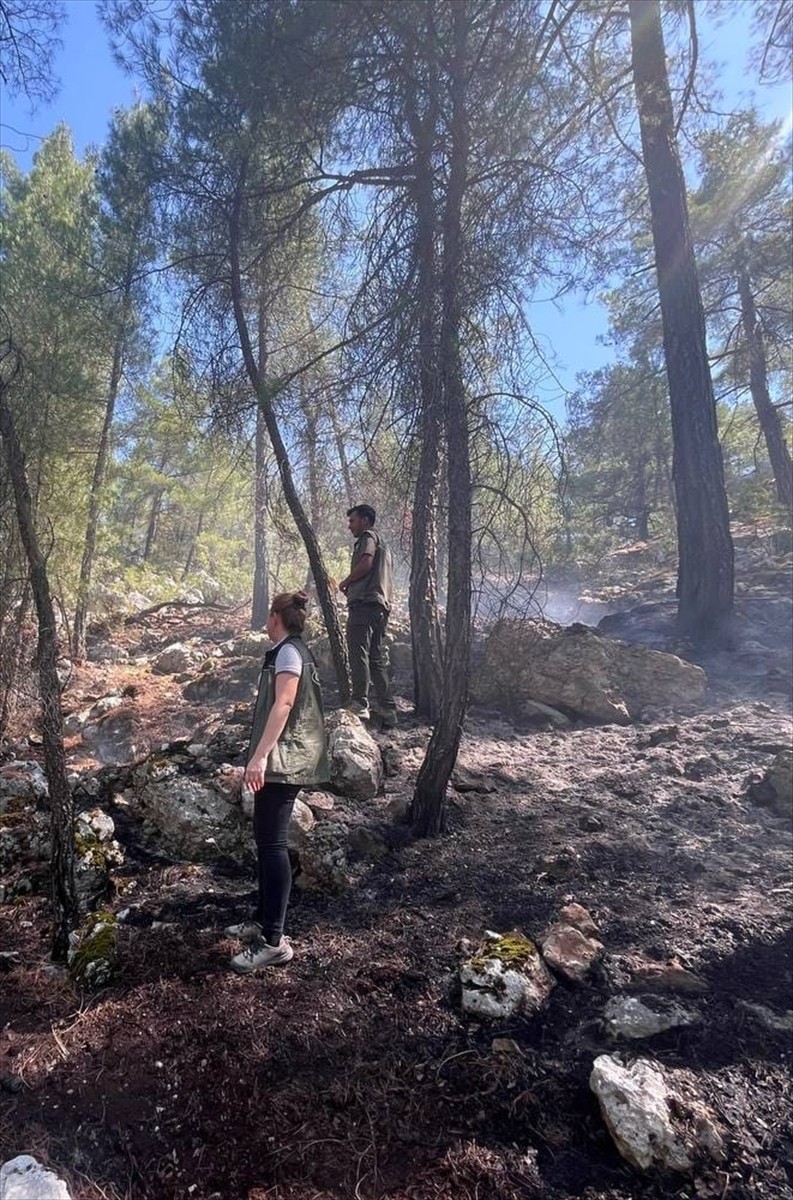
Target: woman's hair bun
{"x": 301, "y": 599}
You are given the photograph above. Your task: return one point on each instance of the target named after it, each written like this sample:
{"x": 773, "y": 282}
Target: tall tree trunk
{"x": 428, "y": 807}
{"x": 12, "y": 649}
{"x": 327, "y": 600}
{"x": 151, "y": 528}
{"x": 706, "y": 572}
{"x": 64, "y": 896}
{"x": 261, "y": 572}
{"x": 344, "y": 462}
{"x": 311, "y": 416}
{"x": 423, "y": 592}
{"x": 767, "y": 414}
{"x": 94, "y": 500}
{"x": 188, "y": 566}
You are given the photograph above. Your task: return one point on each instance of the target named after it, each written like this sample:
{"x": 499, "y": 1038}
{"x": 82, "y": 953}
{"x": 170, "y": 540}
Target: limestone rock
{"x": 637, "y": 1017}
{"x": 24, "y": 1178}
{"x": 253, "y": 644}
{"x": 302, "y": 822}
{"x": 174, "y": 659}
{"x": 569, "y": 952}
{"x": 192, "y": 820}
{"x": 322, "y": 858}
{"x": 25, "y": 780}
{"x": 634, "y": 1103}
{"x": 598, "y": 677}
{"x": 321, "y": 801}
{"x": 654, "y": 1124}
{"x": 356, "y": 765}
{"x": 116, "y": 737}
{"x": 665, "y": 977}
{"x": 75, "y": 722}
{"x": 106, "y": 652}
{"x": 229, "y": 681}
{"x": 92, "y": 951}
{"x": 97, "y": 854}
{"x": 506, "y": 977}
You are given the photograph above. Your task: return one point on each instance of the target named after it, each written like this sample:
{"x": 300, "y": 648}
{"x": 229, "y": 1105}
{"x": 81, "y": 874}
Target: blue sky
{"x": 92, "y": 86}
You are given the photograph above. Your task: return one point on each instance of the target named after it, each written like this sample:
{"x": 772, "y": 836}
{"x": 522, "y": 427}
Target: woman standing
{"x": 287, "y": 752}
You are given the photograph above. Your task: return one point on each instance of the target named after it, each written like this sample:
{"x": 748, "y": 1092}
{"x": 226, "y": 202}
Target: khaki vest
{"x": 300, "y": 755}
{"x": 377, "y": 586}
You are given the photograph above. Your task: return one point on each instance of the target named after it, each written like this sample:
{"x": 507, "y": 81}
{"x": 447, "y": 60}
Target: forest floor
{"x": 352, "y": 1074}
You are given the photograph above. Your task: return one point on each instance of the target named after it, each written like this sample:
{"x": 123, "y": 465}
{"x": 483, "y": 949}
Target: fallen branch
{"x": 155, "y": 608}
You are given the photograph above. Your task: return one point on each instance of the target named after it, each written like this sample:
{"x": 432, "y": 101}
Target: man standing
{"x": 368, "y": 589}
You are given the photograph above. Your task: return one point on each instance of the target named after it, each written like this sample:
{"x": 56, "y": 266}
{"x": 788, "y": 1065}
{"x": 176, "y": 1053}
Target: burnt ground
{"x": 352, "y": 1073}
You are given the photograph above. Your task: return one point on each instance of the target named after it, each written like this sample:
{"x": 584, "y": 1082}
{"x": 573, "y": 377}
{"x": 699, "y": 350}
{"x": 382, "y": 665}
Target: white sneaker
{"x": 245, "y": 931}
{"x": 259, "y": 954}
{"x": 361, "y": 711}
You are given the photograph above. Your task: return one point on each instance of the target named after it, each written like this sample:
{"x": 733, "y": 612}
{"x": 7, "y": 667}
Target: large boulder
{"x": 253, "y": 644}
{"x": 21, "y": 781}
{"x": 225, "y": 682}
{"x": 175, "y": 659}
{"x": 356, "y": 764}
{"x": 192, "y": 820}
{"x": 117, "y": 737}
{"x": 598, "y": 678}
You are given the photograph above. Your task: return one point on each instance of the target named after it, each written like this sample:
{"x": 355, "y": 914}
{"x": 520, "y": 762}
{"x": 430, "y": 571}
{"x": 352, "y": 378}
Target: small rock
{"x": 665, "y": 733}
{"x": 505, "y": 978}
{"x": 580, "y": 918}
{"x": 562, "y": 865}
{"x": 465, "y": 780}
{"x": 504, "y": 1045}
{"x": 776, "y": 1022}
{"x": 666, "y": 977}
{"x": 24, "y": 1178}
{"x": 632, "y": 1017}
{"x": 567, "y": 951}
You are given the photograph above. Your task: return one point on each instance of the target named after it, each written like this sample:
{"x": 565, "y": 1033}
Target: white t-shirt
{"x": 288, "y": 660}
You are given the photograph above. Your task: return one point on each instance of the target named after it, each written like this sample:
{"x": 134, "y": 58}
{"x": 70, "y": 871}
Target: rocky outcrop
{"x": 117, "y": 737}
{"x": 175, "y": 658}
{"x": 225, "y": 682}
{"x": 595, "y": 677}
{"x": 356, "y": 764}
{"x": 190, "y": 818}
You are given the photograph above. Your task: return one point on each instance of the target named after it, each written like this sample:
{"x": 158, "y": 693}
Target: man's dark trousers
{"x": 368, "y": 650}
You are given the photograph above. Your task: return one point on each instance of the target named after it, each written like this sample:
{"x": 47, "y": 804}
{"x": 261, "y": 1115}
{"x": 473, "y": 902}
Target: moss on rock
{"x": 92, "y": 950}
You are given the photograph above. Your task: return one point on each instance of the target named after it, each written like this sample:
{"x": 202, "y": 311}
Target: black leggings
{"x": 272, "y": 809}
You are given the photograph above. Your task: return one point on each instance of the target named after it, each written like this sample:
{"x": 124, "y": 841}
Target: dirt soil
{"x": 352, "y": 1074}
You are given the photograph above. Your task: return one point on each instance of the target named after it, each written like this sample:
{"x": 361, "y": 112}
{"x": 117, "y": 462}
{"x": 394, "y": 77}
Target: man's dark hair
{"x": 363, "y": 510}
